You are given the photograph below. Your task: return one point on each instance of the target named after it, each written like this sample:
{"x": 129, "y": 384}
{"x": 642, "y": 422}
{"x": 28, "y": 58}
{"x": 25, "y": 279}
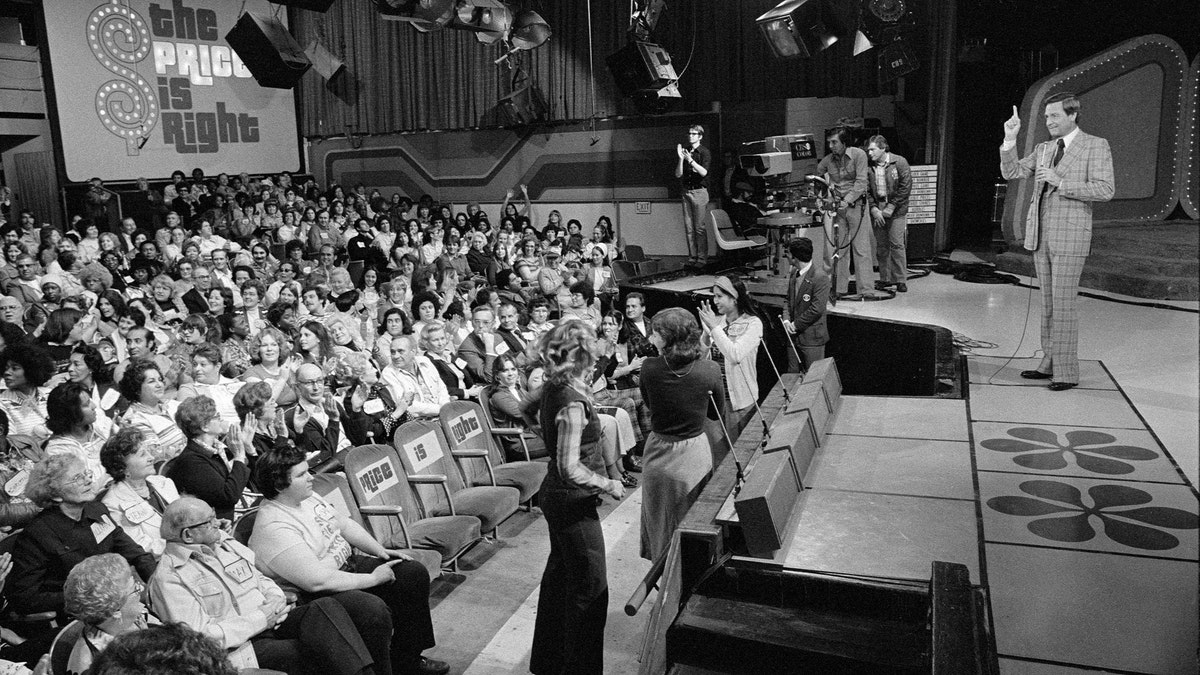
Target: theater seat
{"x": 377, "y": 481}
{"x": 469, "y": 434}
{"x": 425, "y": 455}
{"x": 335, "y": 489}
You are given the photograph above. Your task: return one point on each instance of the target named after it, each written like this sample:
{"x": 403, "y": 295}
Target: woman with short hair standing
{"x": 568, "y": 636}
{"x": 677, "y": 459}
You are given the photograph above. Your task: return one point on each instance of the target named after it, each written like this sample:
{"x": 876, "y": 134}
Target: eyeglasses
{"x": 84, "y": 476}
{"x": 310, "y": 383}
{"x": 212, "y": 520}
{"x": 138, "y": 589}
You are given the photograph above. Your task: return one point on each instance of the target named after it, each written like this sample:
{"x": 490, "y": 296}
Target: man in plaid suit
{"x": 1070, "y": 171}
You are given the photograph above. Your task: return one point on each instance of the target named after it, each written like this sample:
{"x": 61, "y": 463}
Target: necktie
{"x": 1058, "y": 154}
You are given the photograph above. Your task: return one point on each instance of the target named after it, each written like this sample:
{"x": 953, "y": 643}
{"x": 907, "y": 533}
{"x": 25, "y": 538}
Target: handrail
{"x": 648, "y": 582}
{"x": 120, "y": 207}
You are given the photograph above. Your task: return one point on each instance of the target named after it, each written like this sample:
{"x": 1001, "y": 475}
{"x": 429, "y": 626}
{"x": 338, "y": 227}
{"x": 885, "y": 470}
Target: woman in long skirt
{"x": 677, "y": 459}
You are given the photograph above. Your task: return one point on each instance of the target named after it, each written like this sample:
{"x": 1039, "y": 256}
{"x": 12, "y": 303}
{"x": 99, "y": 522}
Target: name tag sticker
{"x": 139, "y": 513}
{"x": 109, "y": 399}
{"x": 461, "y": 363}
{"x": 501, "y": 348}
{"x": 736, "y": 330}
{"x": 102, "y": 529}
{"x": 15, "y": 487}
{"x": 240, "y": 571}
{"x": 373, "y": 406}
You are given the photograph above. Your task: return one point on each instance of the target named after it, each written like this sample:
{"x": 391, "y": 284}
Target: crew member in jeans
{"x": 692, "y": 171}
{"x": 891, "y": 181}
{"x": 846, "y": 169}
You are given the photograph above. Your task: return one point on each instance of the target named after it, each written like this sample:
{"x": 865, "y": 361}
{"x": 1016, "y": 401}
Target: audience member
{"x": 302, "y": 542}
{"x": 138, "y": 495}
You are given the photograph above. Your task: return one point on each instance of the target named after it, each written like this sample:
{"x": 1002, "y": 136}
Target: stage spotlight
{"x": 529, "y": 31}
{"x": 896, "y": 60}
{"x": 861, "y": 43}
{"x": 490, "y": 23}
{"x": 798, "y": 28}
{"x": 424, "y": 15}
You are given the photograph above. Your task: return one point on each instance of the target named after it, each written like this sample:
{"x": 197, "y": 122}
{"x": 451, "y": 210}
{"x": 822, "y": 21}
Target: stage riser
{"x": 875, "y": 357}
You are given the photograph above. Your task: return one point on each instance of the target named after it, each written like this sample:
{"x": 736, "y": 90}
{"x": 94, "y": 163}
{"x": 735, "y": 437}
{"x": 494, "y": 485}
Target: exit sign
{"x": 641, "y": 208}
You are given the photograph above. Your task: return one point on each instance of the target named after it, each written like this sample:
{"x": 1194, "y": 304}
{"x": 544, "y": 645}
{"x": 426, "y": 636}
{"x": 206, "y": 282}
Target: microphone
{"x": 740, "y": 478}
{"x": 787, "y": 397}
{"x": 792, "y": 344}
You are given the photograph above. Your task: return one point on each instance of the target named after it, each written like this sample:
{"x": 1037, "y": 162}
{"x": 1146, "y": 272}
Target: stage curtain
{"x": 398, "y": 79}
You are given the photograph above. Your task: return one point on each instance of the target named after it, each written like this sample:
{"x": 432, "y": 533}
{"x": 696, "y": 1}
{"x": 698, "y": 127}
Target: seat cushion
{"x": 431, "y": 560}
{"x": 491, "y": 505}
{"x": 448, "y": 535}
{"x": 525, "y": 476}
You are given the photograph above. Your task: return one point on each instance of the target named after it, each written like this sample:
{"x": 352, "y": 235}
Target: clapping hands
{"x": 708, "y": 315}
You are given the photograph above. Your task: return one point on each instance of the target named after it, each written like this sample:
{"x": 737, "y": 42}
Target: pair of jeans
{"x": 568, "y": 635}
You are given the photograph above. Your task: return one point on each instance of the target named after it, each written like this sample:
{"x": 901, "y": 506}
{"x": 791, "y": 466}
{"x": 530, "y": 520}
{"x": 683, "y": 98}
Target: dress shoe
{"x": 1062, "y": 386}
{"x": 1036, "y": 375}
{"x": 425, "y": 666}
{"x": 901, "y": 288}
{"x": 883, "y": 285}
{"x": 632, "y": 463}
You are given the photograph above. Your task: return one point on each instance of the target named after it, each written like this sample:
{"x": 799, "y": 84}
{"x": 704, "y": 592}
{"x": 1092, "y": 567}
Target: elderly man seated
{"x": 208, "y": 581}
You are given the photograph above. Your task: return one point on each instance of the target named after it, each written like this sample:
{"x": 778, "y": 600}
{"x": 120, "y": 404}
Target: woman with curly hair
{"x": 87, "y": 367}
{"x": 138, "y": 495}
{"x": 568, "y": 635}
{"x": 26, "y": 367}
{"x": 71, "y": 417}
{"x": 681, "y": 389}
{"x": 71, "y": 526}
{"x": 101, "y": 593}
{"x": 144, "y": 386}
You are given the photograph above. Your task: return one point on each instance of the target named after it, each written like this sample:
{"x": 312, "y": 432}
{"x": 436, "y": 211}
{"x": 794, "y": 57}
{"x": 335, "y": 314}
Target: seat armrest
{"x": 426, "y": 478}
{"x": 469, "y": 453}
{"x": 381, "y": 510}
{"x": 506, "y": 431}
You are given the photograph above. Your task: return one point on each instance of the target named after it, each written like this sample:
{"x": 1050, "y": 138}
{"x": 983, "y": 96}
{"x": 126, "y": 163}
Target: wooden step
{"x": 735, "y": 636}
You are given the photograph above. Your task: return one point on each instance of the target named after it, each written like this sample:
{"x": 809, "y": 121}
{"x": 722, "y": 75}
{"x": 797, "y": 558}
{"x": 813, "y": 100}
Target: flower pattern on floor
{"x": 1093, "y": 451}
{"x": 1133, "y": 527}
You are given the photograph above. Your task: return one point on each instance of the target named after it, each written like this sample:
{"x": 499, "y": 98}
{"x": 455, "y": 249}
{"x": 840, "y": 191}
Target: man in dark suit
{"x": 479, "y": 349}
{"x": 315, "y": 422}
{"x": 804, "y": 311}
{"x": 1070, "y": 171}
{"x": 511, "y": 334}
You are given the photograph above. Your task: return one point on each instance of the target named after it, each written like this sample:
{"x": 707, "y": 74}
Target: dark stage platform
{"x": 876, "y": 357}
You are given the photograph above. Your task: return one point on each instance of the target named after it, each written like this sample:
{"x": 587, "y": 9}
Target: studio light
{"x": 861, "y": 43}
{"x": 798, "y": 28}
{"x": 529, "y": 31}
{"x": 424, "y": 15}
{"x": 489, "y": 23}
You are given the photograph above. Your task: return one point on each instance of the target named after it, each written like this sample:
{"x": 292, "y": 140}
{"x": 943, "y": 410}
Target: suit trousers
{"x": 890, "y": 247}
{"x": 1058, "y": 276}
{"x": 323, "y": 636}
{"x": 568, "y": 634}
{"x": 695, "y": 211}
{"x": 853, "y": 238}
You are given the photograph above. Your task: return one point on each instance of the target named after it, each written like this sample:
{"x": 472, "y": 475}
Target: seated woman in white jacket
{"x": 732, "y": 328}
{"x": 138, "y": 496}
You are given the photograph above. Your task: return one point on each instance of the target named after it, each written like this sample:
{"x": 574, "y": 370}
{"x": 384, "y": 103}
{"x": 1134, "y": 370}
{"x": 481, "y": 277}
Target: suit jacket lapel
{"x": 1073, "y": 153}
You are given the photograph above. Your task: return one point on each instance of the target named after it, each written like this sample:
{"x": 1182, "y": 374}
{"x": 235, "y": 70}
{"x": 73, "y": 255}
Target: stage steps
{"x": 750, "y": 613}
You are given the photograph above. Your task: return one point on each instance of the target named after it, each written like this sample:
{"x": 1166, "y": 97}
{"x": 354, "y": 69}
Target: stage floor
{"x": 1069, "y": 510}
